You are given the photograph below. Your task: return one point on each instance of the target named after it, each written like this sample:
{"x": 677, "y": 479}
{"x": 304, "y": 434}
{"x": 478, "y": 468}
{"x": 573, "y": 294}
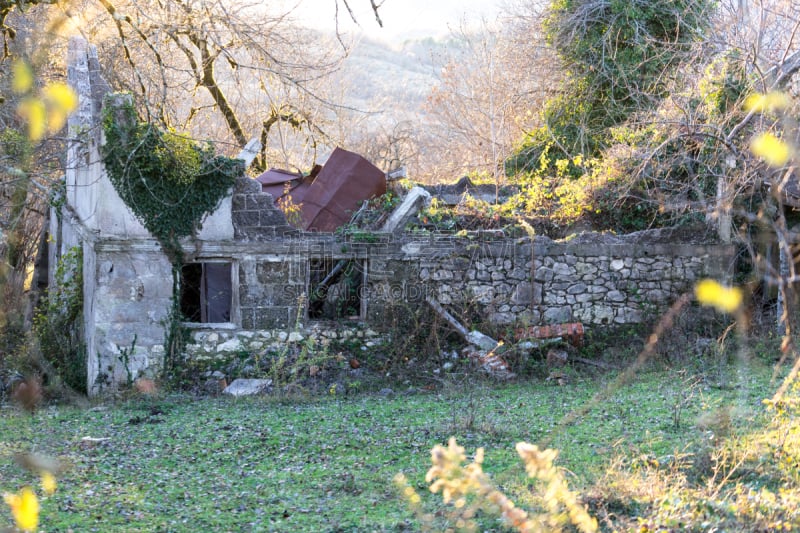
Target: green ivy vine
{"x": 169, "y": 181}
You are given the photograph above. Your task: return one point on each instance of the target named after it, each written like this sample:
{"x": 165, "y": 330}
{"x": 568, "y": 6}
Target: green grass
{"x": 218, "y": 464}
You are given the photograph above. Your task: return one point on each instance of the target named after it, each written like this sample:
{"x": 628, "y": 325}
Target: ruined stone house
{"x": 249, "y": 279}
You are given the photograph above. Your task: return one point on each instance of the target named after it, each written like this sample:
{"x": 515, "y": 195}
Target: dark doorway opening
{"x": 335, "y": 288}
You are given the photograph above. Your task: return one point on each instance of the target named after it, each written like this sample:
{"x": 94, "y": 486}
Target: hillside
{"x": 393, "y": 81}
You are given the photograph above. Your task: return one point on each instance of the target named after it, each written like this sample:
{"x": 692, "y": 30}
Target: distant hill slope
{"x": 394, "y": 80}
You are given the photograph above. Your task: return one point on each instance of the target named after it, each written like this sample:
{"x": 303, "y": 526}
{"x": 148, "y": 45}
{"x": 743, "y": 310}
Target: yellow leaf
{"x": 55, "y": 120}
{"x": 22, "y": 77}
{"x": 771, "y": 149}
{"x": 48, "y": 483}
{"x": 34, "y": 111}
{"x": 62, "y": 96}
{"x": 726, "y": 299}
{"x": 773, "y": 101}
{"x": 25, "y": 508}
{"x": 61, "y": 100}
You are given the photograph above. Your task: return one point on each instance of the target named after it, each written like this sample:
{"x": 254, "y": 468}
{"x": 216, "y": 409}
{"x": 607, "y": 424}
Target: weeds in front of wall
{"x": 297, "y": 360}
{"x": 467, "y": 414}
{"x": 124, "y": 357}
{"x": 57, "y": 323}
{"x": 688, "y": 386}
{"x": 176, "y": 368}
{"x": 733, "y": 478}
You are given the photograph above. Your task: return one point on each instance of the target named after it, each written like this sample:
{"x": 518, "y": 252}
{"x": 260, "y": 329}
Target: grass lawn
{"x": 178, "y": 463}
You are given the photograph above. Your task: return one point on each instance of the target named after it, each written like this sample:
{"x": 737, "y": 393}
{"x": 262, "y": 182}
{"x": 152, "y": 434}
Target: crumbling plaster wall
{"x": 131, "y": 303}
{"x": 97, "y": 220}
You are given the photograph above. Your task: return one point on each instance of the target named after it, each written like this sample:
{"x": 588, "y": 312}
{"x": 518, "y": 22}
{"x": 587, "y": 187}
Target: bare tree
{"x": 493, "y": 80}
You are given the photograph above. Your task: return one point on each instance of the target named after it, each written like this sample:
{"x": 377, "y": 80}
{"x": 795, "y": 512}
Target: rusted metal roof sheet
{"x": 278, "y": 182}
{"x": 328, "y": 199}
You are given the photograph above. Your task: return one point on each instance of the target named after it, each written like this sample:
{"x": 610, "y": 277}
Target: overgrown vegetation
{"x": 618, "y": 58}
{"x": 58, "y": 322}
{"x": 169, "y": 181}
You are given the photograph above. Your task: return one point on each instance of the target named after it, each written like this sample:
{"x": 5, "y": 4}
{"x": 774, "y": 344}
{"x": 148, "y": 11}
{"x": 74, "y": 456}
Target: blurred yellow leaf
{"x": 711, "y": 293}
{"x": 25, "y": 508}
{"x": 22, "y": 77}
{"x": 771, "y": 149}
{"x": 34, "y": 112}
{"x": 61, "y": 100}
{"x": 773, "y": 101}
{"x": 48, "y": 483}
{"x": 56, "y": 119}
{"x": 62, "y": 96}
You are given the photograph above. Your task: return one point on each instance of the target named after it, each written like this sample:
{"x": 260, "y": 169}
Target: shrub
{"x": 466, "y": 489}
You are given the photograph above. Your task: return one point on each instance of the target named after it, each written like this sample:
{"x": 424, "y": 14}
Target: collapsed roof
{"x": 329, "y": 195}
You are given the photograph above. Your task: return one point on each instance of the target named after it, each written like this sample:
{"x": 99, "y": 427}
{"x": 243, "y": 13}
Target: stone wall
{"x": 132, "y": 289}
{"x": 254, "y": 214}
{"x": 219, "y": 347}
{"x": 597, "y": 280}
{"x": 484, "y": 279}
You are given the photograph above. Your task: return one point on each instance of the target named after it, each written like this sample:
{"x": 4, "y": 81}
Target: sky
{"x": 401, "y": 18}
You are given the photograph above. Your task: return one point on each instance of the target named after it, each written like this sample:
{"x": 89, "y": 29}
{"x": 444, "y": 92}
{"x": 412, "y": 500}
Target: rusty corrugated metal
{"x": 328, "y": 199}
{"x": 277, "y": 181}
{"x": 346, "y": 180}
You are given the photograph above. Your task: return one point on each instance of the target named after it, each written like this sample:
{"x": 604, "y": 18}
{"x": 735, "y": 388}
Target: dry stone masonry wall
{"x": 597, "y": 280}
{"x": 483, "y": 279}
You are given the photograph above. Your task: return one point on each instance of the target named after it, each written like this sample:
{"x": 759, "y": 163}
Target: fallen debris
{"x": 329, "y": 195}
{"x": 481, "y": 349}
{"x": 412, "y": 203}
{"x": 490, "y": 362}
{"x": 572, "y": 332}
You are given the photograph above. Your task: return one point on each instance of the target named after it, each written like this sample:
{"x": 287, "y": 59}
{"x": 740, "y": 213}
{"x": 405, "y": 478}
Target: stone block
{"x": 273, "y": 218}
{"x": 271, "y": 317}
{"x": 232, "y": 345}
{"x": 248, "y": 318}
{"x": 502, "y": 319}
{"x": 562, "y": 270}
{"x": 238, "y": 202}
{"x": 526, "y": 294}
{"x": 557, "y": 315}
{"x": 603, "y": 315}
{"x": 247, "y": 186}
{"x": 628, "y": 316}
{"x": 268, "y": 272}
{"x": 615, "y": 296}
{"x": 248, "y": 387}
{"x": 544, "y": 274}
{"x": 578, "y": 288}
{"x": 484, "y": 342}
{"x": 246, "y": 219}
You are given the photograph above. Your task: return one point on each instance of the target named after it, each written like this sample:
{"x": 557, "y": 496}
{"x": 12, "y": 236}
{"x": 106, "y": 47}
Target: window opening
{"x": 206, "y": 292}
{"x": 335, "y": 287}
